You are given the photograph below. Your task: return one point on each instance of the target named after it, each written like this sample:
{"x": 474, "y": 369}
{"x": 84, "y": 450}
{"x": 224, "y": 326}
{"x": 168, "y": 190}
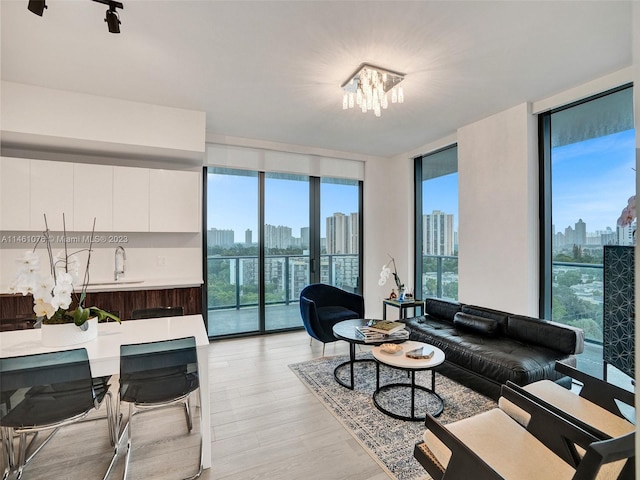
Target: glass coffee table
{"x": 411, "y": 365}
{"x": 346, "y": 330}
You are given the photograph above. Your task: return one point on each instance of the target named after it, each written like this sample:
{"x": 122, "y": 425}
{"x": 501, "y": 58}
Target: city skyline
{"x": 592, "y": 180}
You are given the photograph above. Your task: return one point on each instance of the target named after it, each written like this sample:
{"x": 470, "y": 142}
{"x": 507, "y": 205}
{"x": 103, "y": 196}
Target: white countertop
{"x": 106, "y": 285}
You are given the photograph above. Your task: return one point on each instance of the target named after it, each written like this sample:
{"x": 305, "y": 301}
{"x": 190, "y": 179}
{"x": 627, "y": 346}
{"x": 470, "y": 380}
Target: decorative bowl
{"x": 390, "y": 347}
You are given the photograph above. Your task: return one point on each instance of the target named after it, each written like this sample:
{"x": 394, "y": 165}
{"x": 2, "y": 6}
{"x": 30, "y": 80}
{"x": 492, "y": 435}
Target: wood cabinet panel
{"x": 122, "y": 302}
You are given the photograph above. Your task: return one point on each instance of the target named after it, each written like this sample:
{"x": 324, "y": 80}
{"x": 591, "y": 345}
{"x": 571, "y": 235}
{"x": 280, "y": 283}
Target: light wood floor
{"x": 265, "y": 425}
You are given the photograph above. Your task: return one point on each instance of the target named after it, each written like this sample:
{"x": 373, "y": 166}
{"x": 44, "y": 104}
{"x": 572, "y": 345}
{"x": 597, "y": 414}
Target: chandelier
{"x": 368, "y": 88}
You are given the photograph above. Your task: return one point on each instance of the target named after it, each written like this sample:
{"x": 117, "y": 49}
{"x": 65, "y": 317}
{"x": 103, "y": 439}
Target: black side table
{"x": 403, "y": 306}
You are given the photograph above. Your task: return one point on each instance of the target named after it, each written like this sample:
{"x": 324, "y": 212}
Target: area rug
{"x": 389, "y": 441}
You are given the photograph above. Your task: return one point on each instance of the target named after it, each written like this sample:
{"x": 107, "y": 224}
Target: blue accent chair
{"x": 322, "y": 306}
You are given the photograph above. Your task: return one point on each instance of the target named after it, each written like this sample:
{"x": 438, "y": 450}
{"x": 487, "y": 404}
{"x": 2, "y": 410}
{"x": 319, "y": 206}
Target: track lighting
{"x": 37, "y": 6}
{"x": 112, "y": 18}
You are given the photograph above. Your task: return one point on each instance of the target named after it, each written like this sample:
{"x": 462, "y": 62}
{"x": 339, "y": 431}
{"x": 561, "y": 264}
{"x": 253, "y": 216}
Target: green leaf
{"x": 80, "y": 315}
{"x": 103, "y": 315}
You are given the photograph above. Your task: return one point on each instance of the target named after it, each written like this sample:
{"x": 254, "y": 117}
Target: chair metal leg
{"x": 323, "y": 345}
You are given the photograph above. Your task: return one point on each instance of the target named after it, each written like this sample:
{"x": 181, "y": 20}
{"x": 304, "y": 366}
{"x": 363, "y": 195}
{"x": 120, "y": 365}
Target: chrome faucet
{"x": 120, "y": 258}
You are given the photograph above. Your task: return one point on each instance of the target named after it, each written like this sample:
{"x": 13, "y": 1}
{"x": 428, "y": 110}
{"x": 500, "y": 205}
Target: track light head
{"x": 37, "y": 6}
{"x": 112, "y": 19}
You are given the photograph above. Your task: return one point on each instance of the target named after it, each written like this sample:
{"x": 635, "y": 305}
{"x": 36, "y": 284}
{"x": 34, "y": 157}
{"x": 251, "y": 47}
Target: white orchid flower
{"x": 42, "y": 308}
{"x": 43, "y": 289}
{"x": 29, "y": 262}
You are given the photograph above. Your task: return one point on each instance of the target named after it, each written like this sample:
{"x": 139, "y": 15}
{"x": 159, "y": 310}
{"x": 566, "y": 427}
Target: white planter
{"x": 66, "y": 334}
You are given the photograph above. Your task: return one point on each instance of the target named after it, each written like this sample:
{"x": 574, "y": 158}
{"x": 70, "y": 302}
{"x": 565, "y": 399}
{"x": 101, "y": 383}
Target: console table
{"x": 402, "y": 306}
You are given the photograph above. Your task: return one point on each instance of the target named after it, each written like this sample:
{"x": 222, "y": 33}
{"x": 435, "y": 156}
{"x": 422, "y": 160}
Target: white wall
{"x": 388, "y": 228}
{"x": 70, "y": 126}
{"x": 498, "y": 230}
{"x": 70, "y": 120}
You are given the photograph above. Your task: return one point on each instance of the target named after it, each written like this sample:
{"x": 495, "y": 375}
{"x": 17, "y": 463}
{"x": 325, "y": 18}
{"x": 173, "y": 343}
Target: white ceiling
{"x": 271, "y": 70}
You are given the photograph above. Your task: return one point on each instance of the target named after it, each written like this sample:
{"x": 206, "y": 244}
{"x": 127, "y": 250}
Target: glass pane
{"x": 592, "y": 178}
{"x": 286, "y": 248}
{"x": 440, "y": 224}
{"x": 232, "y": 251}
{"x": 339, "y": 233}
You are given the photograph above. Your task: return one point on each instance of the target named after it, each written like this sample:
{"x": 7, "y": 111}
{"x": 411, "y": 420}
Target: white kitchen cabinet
{"x": 51, "y": 193}
{"x": 92, "y": 197}
{"x": 14, "y": 194}
{"x": 174, "y": 198}
{"x": 130, "y": 199}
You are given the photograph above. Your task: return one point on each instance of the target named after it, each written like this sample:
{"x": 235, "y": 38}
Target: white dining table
{"x": 104, "y": 353}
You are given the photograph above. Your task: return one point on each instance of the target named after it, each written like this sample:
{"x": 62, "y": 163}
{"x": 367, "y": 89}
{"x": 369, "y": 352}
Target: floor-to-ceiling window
{"x": 340, "y": 233}
{"x": 436, "y": 222}
{"x": 588, "y": 175}
{"x": 232, "y": 273}
{"x": 286, "y": 248}
{"x": 268, "y": 236}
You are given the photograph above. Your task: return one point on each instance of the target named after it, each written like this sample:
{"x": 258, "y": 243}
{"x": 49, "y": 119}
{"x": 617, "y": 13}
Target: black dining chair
{"x": 157, "y": 312}
{"x": 155, "y": 375}
{"x": 44, "y": 392}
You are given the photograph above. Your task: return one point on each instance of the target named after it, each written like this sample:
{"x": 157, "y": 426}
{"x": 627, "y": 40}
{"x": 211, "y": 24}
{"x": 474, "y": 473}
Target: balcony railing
{"x": 232, "y": 281}
{"x": 440, "y": 276}
{"x": 578, "y": 295}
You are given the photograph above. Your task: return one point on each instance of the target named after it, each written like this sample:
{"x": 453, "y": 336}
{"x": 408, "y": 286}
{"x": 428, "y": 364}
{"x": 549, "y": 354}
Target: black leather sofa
{"x": 484, "y": 348}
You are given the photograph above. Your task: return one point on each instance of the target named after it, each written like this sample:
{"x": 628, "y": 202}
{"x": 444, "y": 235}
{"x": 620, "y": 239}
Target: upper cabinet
{"x": 51, "y": 194}
{"x": 92, "y": 197}
{"x": 174, "y": 198}
{"x": 130, "y": 199}
{"x": 121, "y": 199}
{"x": 14, "y": 194}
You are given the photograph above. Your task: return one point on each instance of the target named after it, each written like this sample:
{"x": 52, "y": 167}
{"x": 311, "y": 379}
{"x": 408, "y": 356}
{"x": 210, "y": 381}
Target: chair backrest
{"x": 157, "y": 312}
{"x": 157, "y": 372}
{"x": 45, "y": 388}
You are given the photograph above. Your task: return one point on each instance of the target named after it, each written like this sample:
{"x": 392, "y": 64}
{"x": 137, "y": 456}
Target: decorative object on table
{"x": 374, "y": 336}
{"x": 384, "y": 276}
{"x": 420, "y": 353}
{"x": 385, "y": 326}
{"x": 391, "y": 348}
{"x": 56, "y": 302}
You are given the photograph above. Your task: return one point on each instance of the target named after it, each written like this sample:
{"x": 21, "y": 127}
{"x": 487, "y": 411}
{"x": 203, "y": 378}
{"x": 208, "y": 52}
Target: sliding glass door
{"x": 232, "y": 273}
{"x": 286, "y": 248}
{"x": 268, "y": 236}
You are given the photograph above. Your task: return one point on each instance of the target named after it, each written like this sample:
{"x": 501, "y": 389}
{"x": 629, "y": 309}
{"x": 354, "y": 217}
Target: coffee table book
{"x": 386, "y": 326}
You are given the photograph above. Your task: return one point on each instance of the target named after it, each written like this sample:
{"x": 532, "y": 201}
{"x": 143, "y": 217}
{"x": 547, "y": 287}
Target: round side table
{"x": 411, "y": 365}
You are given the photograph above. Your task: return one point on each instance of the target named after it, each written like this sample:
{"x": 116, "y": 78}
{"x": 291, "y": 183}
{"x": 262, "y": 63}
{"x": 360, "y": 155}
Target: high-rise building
{"x": 569, "y": 236}
{"x": 437, "y": 233}
{"x": 220, "y": 238}
{"x": 342, "y": 233}
{"x": 580, "y": 233}
{"x": 304, "y": 237}
{"x": 248, "y": 236}
{"x": 277, "y": 237}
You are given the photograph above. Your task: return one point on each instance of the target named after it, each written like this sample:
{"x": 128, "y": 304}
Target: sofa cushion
{"x": 473, "y": 323}
{"x": 543, "y": 333}
{"x": 442, "y": 309}
{"x": 497, "y": 315}
{"x": 497, "y": 358}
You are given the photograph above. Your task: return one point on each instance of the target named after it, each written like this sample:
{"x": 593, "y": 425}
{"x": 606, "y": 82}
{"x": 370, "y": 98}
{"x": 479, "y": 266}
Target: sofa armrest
{"x": 553, "y": 335}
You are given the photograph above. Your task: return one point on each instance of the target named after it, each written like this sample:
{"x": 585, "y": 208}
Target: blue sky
{"x": 287, "y": 203}
{"x": 592, "y": 180}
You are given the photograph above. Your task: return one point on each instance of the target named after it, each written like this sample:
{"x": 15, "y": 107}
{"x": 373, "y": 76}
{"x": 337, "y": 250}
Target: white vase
{"x": 65, "y": 334}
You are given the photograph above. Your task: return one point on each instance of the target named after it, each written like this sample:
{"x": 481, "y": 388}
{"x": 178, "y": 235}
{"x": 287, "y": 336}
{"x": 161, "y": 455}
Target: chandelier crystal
{"x": 368, "y": 89}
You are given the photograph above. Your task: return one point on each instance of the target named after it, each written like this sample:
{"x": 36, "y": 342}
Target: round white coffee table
{"x": 401, "y": 362}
